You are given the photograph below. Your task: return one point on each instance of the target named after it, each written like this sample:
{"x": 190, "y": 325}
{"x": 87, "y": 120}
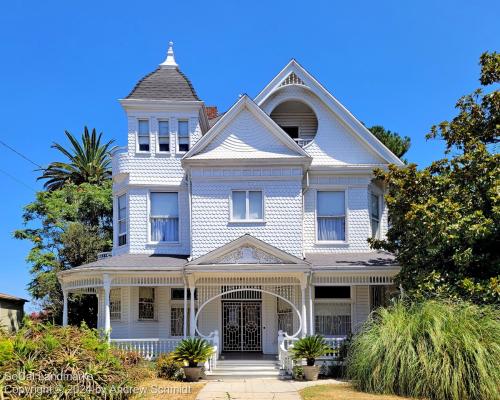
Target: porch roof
{"x": 372, "y": 260}
{"x": 138, "y": 262}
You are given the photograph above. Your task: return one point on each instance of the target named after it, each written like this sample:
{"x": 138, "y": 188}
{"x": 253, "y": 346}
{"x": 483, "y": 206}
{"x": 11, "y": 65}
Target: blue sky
{"x": 63, "y": 66}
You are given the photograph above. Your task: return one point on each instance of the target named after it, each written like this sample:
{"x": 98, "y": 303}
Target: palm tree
{"x": 89, "y": 161}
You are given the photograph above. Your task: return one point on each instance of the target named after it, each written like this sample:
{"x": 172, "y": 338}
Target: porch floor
{"x": 246, "y": 355}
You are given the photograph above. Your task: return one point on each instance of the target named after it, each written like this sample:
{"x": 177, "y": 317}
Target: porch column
{"x": 303, "y": 285}
{"x": 185, "y": 312}
{"x": 311, "y": 308}
{"x": 65, "y": 308}
{"x": 192, "y": 321}
{"x": 106, "y": 282}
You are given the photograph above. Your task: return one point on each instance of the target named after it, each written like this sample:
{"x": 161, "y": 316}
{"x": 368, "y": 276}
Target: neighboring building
{"x": 11, "y": 312}
{"x": 242, "y": 224}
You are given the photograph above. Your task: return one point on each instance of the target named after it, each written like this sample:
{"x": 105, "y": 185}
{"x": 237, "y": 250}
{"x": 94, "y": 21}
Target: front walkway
{"x": 256, "y": 389}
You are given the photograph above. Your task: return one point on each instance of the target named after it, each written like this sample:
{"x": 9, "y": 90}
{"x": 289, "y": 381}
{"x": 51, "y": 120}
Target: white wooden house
{"x": 241, "y": 225}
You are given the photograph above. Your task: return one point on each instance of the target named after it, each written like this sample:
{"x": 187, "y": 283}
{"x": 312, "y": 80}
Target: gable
{"x": 294, "y": 78}
{"x": 246, "y": 132}
{"x": 245, "y": 137}
{"x": 247, "y": 250}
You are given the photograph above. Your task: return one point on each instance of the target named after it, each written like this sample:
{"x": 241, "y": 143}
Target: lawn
{"x": 161, "y": 389}
{"x": 342, "y": 392}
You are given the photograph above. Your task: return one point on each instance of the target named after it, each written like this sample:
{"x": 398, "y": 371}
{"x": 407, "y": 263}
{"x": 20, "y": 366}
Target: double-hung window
{"x": 164, "y": 217}
{"x": 115, "y": 304}
{"x": 183, "y": 135}
{"x": 147, "y": 303}
{"x": 332, "y": 310}
{"x": 247, "y": 205}
{"x": 331, "y": 216}
{"x": 163, "y": 137}
{"x": 375, "y": 214}
{"x": 122, "y": 219}
{"x": 143, "y": 135}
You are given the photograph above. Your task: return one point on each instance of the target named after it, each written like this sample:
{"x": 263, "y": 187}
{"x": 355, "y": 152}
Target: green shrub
{"x": 167, "y": 367}
{"x": 434, "y": 350}
{"x": 192, "y": 351}
{"x": 70, "y": 363}
{"x": 310, "y": 348}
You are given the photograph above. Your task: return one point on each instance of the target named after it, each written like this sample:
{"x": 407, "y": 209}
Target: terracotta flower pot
{"x": 193, "y": 374}
{"x": 311, "y": 372}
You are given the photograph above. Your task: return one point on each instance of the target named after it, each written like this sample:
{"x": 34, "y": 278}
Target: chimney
{"x": 211, "y": 112}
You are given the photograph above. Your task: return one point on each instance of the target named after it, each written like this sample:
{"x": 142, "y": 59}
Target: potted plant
{"x": 192, "y": 351}
{"x": 310, "y": 348}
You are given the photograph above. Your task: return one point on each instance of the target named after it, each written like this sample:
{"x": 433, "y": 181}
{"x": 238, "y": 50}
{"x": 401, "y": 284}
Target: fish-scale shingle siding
{"x": 283, "y": 214}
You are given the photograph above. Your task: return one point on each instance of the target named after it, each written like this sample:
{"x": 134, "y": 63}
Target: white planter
{"x": 311, "y": 372}
{"x": 193, "y": 374}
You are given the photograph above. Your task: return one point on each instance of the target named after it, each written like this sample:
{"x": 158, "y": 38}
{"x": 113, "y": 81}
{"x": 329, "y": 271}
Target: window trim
{"x": 150, "y": 233}
{"x": 247, "y": 206}
{"x": 188, "y": 136}
{"x": 346, "y": 217}
{"x": 118, "y": 235}
{"x": 155, "y": 305}
{"x": 333, "y": 301}
{"x": 167, "y": 120}
{"x": 138, "y": 135}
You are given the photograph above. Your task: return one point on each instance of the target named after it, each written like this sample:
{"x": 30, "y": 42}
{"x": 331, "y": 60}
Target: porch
{"x": 258, "y": 313}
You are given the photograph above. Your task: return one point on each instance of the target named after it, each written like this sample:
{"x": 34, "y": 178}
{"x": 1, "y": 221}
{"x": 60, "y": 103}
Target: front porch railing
{"x": 285, "y": 344}
{"x": 151, "y": 349}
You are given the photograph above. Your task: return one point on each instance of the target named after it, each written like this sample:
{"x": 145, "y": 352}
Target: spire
{"x": 170, "y": 60}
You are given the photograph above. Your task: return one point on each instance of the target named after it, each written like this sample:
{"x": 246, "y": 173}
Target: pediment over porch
{"x": 247, "y": 250}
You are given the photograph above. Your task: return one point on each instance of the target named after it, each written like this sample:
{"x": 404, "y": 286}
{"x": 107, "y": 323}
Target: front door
{"x": 241, "y": 325}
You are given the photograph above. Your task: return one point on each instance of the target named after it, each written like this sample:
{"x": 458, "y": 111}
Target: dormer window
{"x": 143, "y": 135}
{"x": 183, "y": 136}
{"x": 163, "y": 137}
{"x": 297, "y": 119}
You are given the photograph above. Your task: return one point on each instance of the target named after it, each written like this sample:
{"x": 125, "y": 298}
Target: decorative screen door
{"x": 242, "y": 327}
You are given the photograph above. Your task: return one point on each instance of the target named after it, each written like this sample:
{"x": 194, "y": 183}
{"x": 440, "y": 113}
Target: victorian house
{"x": 244, "y": 227}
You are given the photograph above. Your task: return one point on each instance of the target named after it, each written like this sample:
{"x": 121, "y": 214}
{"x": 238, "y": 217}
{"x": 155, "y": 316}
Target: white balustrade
{"x": 149, "y": 349}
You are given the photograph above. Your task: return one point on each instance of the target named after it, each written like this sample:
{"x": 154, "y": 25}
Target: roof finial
{"x": 170, "y": 60}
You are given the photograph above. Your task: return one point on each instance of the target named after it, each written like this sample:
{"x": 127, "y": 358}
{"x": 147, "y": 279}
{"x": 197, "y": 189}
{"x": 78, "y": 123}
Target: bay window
{"x": 330, "y": 216}
{"x": 164, "y": 216}
{"x": 163, "y": 137}
{"x": 143, "y": 135}
{"x": 247, "y": 205}
{"x": 122, "y": 219}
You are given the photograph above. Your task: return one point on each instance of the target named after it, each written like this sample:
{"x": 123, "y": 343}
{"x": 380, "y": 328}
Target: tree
{"x": 396, "y": 143}
{"x": 445, "y": 219}
{"x": 89, "y": 161}
{"x": 71, "y": 226}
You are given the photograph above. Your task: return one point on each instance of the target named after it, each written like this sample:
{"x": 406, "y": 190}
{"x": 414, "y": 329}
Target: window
{"x": 379, "y": 297}
{"x": 331, "y": 216}
{"x": 332, "y": 319}
{"x": 375, "y": 214}
{"x": 285, "y": 316}
{"x": 177, "y": 321}
{"x": 332, "y": 292}
{"x": 163, "y": 136}
{"x": 115, "y": 304}
{"x": 122, "y": 219}
{"x": 164, "y": 217}
{"x": 178, "y": 294}
{"x": 247, "y": 205}
{"x": 143, "y": 135}
{"x": 293, "y": 131}
{"x": 183, "y": 135}
{"x": 146, "y": 303}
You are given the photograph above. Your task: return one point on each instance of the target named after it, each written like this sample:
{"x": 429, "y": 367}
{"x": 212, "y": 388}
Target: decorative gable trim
{"x": 247, "y": 250}
{"x": 292, "y": 79}
{"x": 245, "y": 103}
{"x": 351, "y": 122}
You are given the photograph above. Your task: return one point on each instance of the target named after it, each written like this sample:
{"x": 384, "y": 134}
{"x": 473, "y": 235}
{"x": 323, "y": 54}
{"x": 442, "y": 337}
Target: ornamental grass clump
{"x": 48, "y": 362}
{"x": 433, "y": 350}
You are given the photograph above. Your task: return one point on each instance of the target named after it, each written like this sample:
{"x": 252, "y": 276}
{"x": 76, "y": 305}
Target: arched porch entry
{"x": 247, "y": 312}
